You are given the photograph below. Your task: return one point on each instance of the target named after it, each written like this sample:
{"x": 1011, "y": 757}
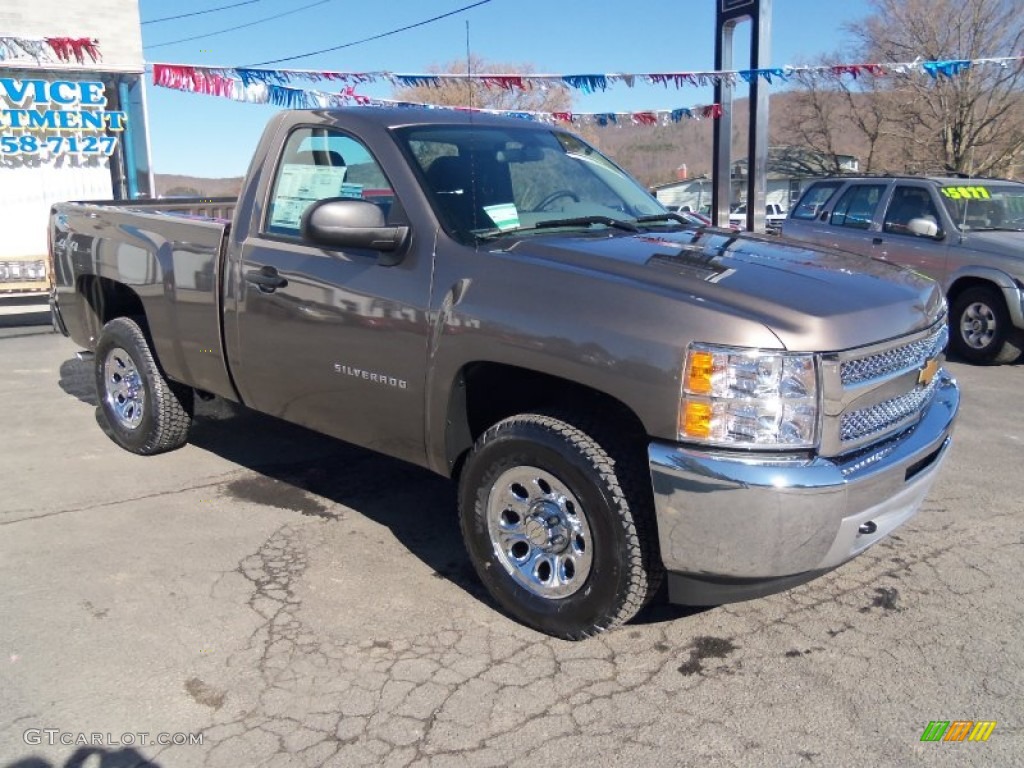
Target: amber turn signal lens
{"x": 697, "y": 420}
{"x": 698, "y": 376}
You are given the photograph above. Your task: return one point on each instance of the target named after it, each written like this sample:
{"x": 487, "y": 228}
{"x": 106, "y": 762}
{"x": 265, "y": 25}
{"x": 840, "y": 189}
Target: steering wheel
{"x": 556, "y": 195}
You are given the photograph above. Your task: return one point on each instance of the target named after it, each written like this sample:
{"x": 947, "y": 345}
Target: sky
{"x": 199, "y": 135}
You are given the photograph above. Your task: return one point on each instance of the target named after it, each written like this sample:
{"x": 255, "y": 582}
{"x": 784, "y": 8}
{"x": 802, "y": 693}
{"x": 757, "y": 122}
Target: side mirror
{"x": 925, "y": 228}
{"x": 347, "y": 223}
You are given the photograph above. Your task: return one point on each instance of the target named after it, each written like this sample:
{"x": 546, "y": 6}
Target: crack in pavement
{"x": 498, "y": 694}
{"x": 214, "y": 483}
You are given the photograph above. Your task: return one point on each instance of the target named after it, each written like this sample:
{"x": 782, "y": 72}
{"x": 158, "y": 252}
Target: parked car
{"x": 968, "y": 234}
{"x": 621, "y": 398}
{"x": 773, "y": 216}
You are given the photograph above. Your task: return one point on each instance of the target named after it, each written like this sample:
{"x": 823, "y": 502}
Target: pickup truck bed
{"x": 166, "y": 262}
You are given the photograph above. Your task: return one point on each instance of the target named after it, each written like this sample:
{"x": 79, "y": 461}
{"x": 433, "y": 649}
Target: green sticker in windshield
{"x": 504, "y": 215}
{"x": 966, "y": 193}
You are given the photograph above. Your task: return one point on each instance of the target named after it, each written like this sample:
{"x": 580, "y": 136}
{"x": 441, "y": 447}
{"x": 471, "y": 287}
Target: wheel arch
{"x": 108, "y": 299}
{"x": 484, "y": 393}
{"x": 993, "y": 279}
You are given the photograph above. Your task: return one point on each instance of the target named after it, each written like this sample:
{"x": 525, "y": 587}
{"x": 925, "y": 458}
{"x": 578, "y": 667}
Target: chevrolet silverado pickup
{"x": 623, "y": 399}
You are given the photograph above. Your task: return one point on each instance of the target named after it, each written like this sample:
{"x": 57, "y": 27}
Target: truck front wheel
{"x": 143, "y": 411}
{"x": 981, "y": 331}
{"x": 558, "y": 530}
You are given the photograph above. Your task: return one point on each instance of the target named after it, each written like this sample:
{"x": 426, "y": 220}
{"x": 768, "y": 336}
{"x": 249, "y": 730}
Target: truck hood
{"x": 812, "y": 299}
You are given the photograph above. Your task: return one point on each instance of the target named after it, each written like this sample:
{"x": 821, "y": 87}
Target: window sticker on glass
{"x": 299, "y": 186}
{"x": 355, "y": 191}
{"x": 504, "y": 215}
{"x": 966, "y": 193}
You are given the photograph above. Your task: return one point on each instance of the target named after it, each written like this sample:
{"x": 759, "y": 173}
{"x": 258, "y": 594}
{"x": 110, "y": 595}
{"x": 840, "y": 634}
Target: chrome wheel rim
{"x": 978, "y": 325}
{"x": 125, "y": 394}
{"x": 539, "y": 532}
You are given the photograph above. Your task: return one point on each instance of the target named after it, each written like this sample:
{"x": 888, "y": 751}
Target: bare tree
{"x": 473, "y": 93}
{"x": 830, "y": 114}
{"x": 811, "y": 125}
{"x": 969, "y": 122}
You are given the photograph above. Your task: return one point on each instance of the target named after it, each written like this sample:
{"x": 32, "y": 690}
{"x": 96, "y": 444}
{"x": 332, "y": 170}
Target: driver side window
{"x": 317, "y": 164}
{"x": 909, "y": 203}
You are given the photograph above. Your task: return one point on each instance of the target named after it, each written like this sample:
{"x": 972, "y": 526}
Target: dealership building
{"x": 72, "y": 122}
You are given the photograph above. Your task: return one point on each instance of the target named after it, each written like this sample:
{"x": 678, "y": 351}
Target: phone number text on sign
{"x": 28, "y": 144}
{"x": 57, "y": 117}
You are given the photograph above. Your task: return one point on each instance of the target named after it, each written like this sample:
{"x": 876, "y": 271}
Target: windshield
{"x": 485, "y": 180}
{"x": 986, "y": 205}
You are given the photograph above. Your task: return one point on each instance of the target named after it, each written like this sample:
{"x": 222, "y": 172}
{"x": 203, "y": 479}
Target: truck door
{"x": 916, "y": 246}
{"x": 330, "y": 338}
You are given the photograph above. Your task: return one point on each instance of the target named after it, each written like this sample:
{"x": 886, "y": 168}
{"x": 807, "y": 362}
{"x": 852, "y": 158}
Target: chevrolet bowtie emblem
{"x": 927, "y": 373}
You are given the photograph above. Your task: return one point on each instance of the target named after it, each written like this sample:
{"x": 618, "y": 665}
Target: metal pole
{"x": 721, "y": 186}
{"x": 127, "y": 139}
{"x": 728, "y": 15}
{"x": 757, "y": 162}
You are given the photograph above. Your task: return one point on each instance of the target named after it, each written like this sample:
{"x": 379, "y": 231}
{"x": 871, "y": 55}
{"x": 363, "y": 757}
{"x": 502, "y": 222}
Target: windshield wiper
{"x": 490, "y": 234}
{"x": 663, "y": 217}
{"x": 581, "y": 221}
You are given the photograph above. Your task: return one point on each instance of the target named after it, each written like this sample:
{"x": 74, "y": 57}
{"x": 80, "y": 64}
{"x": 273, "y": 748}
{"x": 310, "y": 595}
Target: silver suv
{"x": 968, "y": 234}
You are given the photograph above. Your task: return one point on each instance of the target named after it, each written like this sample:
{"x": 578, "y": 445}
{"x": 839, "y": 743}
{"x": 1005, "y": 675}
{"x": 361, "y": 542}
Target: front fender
{"x": 1011, "y": 288}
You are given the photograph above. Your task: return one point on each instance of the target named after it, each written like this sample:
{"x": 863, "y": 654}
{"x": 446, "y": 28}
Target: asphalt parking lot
{"x": 293, "y": 601}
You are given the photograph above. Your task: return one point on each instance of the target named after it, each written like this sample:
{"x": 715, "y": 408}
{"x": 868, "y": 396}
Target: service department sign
{"x": 57, "y": 117}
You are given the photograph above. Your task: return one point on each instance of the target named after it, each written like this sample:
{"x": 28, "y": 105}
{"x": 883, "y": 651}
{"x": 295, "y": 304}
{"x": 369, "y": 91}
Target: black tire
{"x": 610, "y": 492}
{"x": 980, "y": 329}
{"x": 154, "y": 422}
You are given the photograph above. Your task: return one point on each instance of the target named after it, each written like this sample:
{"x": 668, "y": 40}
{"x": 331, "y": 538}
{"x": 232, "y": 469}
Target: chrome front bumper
{"x": 734, "y": 526}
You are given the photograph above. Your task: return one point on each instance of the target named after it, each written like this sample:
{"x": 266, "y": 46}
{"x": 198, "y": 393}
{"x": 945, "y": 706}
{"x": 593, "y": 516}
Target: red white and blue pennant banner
{"x": 590, "y": 83}
{"x": 49, "y": 50}
{"x": 217, "y": 82}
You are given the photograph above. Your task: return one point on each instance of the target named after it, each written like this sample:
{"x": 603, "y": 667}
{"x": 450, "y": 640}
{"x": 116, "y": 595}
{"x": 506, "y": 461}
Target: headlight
{"x": 748, "y": 398}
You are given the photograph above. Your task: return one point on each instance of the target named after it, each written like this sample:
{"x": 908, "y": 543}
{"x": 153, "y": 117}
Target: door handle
{"x": 266, "y": 278}
{"x": 877, "y": 241}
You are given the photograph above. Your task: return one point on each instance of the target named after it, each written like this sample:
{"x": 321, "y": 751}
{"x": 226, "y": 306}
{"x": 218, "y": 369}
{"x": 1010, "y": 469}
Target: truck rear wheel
{"x": 144, "y": 412}
{"x": 558, "y": 531}
{"x": 980, "y": 330}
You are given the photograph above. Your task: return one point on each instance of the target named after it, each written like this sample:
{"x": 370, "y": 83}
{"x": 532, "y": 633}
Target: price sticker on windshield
{"x": 966, "y": 193}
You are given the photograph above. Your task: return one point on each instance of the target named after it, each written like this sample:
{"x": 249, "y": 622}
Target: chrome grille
{"x": 871, "y": 393}
{"x": 902, "y": 358}
{"x": 856, "y": 425}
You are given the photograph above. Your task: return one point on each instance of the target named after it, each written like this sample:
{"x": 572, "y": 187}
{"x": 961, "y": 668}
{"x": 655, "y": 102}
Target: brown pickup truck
{"x": 622, "y": 398}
